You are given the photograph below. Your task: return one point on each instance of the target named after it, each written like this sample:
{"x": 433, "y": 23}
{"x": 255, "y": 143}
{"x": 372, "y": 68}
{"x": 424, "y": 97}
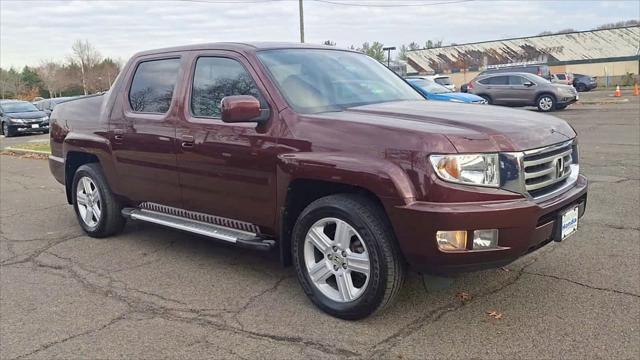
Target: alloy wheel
{"x": 88, "y": 201}
{"x": 336, "y": 260}
{"x": 546, "y": 103}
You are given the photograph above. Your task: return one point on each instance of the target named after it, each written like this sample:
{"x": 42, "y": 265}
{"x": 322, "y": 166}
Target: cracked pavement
{"x": 152, "y": 292}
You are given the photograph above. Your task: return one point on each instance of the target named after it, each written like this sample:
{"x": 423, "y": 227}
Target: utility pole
{"x": 388, "y": 50}
{"x": 301, "y": 21}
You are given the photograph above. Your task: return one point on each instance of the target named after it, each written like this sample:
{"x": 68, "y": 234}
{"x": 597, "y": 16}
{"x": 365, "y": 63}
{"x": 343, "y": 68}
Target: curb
{"x": 26, "y": 151}
{"x": 604, "y": 101}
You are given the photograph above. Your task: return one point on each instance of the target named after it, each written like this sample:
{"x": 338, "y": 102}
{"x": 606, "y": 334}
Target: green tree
{"x": 430, "y": 44}
{"x": 374, "y": 50}
{"x": 402, "y": 53}
{"x": 31, "y": 78}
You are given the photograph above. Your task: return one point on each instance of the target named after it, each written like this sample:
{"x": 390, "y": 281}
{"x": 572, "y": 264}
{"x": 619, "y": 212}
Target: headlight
{"x": 44, "y": 118}
{"x": 470, "y": 169}
{"x": 17, "y": 121}
{"x": 456, "y": 100}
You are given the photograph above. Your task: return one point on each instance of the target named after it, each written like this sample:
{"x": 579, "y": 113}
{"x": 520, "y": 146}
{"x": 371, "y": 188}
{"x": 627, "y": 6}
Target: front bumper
{"x": 567, "y": 100}
{"x": 29, "y": 128}
{"x": 524, "y": 226}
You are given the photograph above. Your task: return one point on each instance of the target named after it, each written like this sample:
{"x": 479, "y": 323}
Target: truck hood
{"x": 469, "y": 128}
{"x": 26, "y": 115}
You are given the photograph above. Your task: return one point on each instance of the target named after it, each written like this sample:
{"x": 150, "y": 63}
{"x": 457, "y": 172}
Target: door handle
{"x": 187, "y": 141}
{"x": 118, "y": 134}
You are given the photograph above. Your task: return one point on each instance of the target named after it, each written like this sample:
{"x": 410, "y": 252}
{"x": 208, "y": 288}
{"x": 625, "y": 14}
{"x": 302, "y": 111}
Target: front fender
{"x": 381, "y": 177}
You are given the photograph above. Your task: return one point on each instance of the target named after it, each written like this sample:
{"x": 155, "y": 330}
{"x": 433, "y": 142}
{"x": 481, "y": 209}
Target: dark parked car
{"x": 47, "y": 105}
{"x": 584, "y": 82}
{"x": 523, "y": 89}
{"x": 536, "y": 69}
{"x": 19, "y": 117}
{"x": 323, "y": 154}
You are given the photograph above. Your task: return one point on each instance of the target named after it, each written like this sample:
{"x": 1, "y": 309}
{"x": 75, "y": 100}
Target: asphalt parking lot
{"x": 157, "y": 293}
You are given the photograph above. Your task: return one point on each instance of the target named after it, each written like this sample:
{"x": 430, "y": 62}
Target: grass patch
{"x": 34, "y": 147}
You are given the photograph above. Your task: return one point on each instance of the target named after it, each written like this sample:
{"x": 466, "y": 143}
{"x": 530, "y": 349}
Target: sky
{"x": 34, "y": 31}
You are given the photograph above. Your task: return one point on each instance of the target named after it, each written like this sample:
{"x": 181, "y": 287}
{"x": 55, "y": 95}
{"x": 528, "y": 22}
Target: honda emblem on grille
{"x": 559, "y": 167}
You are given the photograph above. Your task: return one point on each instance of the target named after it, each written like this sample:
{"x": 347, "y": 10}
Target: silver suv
{"x": 523, "y": 89}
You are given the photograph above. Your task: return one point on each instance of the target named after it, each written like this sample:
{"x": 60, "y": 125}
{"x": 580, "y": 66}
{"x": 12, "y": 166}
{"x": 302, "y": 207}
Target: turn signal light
{"x": 452, "y": 240}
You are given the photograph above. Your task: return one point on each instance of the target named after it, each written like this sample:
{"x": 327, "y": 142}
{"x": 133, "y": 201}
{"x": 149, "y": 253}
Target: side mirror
{"x": 242, "y": 108}
{"x": 528, "y": 84}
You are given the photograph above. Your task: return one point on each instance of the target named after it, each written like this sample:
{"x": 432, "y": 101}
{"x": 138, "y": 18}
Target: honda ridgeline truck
{"x": 323, "y": 154}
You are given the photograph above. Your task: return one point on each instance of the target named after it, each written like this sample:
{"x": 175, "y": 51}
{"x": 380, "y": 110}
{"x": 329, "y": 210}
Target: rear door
{"x": 143, "y": 132}
{"x": 498, "y": 88}
{"x": 226, "y": 170}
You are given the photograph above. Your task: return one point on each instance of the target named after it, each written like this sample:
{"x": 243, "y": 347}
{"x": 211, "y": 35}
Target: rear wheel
{"x": 546, "y": 103}
{"x": 346, "y": 257}
{"x": 581, "y": 87}
{"x": 487, "y": 98}
{"x": 97, "y": 209}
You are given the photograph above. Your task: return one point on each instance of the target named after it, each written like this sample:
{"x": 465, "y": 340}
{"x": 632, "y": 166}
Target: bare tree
{"x": 87, "y": 58}
{"x": 49, "y": 73}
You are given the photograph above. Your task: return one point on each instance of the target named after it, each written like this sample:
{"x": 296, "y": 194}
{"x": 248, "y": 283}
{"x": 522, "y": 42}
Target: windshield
{"x": 538, "y": 79}
{"x": 317, "y": 80}
{"x": 444, "y": 81}
{"x": 18, "y": 107}
{"x": 430, "y": 86}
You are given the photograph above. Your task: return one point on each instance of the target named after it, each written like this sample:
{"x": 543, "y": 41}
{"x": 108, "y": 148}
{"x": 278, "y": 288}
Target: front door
{"x": 143, "y": 134}
{"x": 226, "y": 170}
{"x": 520, "y": 93}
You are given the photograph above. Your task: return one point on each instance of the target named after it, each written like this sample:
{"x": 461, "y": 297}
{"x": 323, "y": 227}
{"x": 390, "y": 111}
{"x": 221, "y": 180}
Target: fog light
{"x": 485, "y": 239}
{"x": 452, "y": 240}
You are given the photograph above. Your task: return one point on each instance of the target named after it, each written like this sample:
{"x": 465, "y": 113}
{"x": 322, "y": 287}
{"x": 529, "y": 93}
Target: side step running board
{"x": 238, "y": 237}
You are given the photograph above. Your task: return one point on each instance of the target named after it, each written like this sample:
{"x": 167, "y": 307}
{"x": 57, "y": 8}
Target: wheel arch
{"x": 542, "y": 93}
{"x": 79, "y": 149}
{"x": 304, "y": 178}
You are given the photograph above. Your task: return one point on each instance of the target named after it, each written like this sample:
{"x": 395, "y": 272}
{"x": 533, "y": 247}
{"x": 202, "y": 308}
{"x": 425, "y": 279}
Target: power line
{"x": 333, "y": 2}
{"x": 390, "y": 5}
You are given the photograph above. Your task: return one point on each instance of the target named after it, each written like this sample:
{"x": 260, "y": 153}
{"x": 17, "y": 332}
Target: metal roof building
{"x": 583, "y": 47}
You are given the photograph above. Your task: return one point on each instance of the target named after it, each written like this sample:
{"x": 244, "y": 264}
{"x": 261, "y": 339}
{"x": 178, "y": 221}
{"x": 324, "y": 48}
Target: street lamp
{"x": 388, "y": 50}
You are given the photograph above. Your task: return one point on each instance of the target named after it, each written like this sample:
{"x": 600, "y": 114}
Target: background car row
{"x": 23, "y": 117}
{"x": 18, "y": 116}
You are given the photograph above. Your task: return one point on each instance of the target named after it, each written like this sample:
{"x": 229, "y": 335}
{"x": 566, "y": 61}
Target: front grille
{"x": 547, "y": 169}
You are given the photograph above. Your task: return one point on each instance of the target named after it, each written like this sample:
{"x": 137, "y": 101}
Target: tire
{"x": 487, "y": 98}
{"x": 546, "y": 103}
{"x": 582, "y": 88}
{"x": 371, "y": 238}
{"x": 90, "y": 179}
{"x": 6, "y": 131}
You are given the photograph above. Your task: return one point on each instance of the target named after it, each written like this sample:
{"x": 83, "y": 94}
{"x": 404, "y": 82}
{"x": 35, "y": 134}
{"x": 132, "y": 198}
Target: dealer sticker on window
{"x": 569, "y": 222}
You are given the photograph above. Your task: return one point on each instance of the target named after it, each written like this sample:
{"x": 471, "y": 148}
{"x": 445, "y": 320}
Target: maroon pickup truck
{"x": 323, "y": 154}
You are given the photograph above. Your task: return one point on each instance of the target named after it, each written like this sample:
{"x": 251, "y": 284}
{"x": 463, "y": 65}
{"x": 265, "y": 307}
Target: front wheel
{"x": 6, "y": 130}
{"x": 346, "y": 256}
{"x": 546, "y": 103}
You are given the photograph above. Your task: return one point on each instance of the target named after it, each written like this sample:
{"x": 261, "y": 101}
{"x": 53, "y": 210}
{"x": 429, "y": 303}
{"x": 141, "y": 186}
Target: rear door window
{"x": 561, "y": 77}
{"x": 215, "y": 78}
{"x": 498, "y": 80}
{"x": 152, "y": 86}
